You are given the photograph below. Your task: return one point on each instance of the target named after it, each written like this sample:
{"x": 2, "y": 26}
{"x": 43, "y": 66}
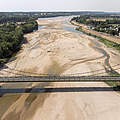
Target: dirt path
{"x": 57, "y": 51}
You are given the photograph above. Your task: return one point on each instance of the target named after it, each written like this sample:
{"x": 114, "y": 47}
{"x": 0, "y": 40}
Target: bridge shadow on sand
{"x": 58, "y": 90}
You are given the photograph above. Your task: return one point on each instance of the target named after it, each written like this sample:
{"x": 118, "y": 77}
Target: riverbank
{"x": 109, "y": 43}
{"x": 12, "y": 38}
{"x": 105, "y": 36}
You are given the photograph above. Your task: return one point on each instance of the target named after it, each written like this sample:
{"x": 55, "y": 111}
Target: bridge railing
{"x": 60, "y": 79}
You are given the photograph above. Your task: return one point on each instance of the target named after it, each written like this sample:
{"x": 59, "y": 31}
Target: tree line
{"x": 11, "y": 36}
{"x": 5, "y": 19}
{"x": 110, "y": 25}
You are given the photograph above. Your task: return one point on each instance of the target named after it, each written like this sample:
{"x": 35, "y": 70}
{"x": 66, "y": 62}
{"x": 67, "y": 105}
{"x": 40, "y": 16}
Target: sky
{"x": 59, "y": 5}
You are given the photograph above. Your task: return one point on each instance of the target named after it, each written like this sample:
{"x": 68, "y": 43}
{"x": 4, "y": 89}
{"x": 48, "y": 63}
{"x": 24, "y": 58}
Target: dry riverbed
{"x": 53, "y": 50}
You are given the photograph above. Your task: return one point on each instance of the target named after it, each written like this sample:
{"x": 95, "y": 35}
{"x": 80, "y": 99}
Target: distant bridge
{"x": 60, "y": 79}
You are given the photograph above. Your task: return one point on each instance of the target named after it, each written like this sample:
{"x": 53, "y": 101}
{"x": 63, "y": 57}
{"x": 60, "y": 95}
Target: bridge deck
{"x": 60, "y": 79}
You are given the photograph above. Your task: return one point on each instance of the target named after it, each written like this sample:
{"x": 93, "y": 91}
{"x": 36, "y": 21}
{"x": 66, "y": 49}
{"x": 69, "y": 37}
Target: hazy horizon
{"x": 63, "y": 5}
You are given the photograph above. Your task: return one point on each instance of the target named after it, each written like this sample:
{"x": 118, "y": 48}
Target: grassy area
{"x": 3, "y": 60}
{"x": 109, "y": 44}
{"x": 114, "y": 84}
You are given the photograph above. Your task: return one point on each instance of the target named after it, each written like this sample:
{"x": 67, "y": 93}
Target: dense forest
{"x": 25, "y": 16}
{"x": 12, "y": 30}
{"x": 5, "y": 19}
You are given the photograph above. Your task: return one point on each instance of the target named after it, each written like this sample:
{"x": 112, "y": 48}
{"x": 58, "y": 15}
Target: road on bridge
{"x": 60, "y": 79}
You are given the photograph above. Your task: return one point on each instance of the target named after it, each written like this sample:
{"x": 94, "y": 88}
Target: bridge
{"x": 60, "y": 79}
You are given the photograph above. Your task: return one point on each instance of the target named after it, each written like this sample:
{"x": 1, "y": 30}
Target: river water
{"x": 67, "y": 26}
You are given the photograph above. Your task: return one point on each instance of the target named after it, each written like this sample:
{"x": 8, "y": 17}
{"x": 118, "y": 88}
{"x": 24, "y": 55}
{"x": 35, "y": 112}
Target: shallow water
{"x": 71, "y": 29}
{"x": 96, "y": 45}
{"x": 41, "y": 27}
